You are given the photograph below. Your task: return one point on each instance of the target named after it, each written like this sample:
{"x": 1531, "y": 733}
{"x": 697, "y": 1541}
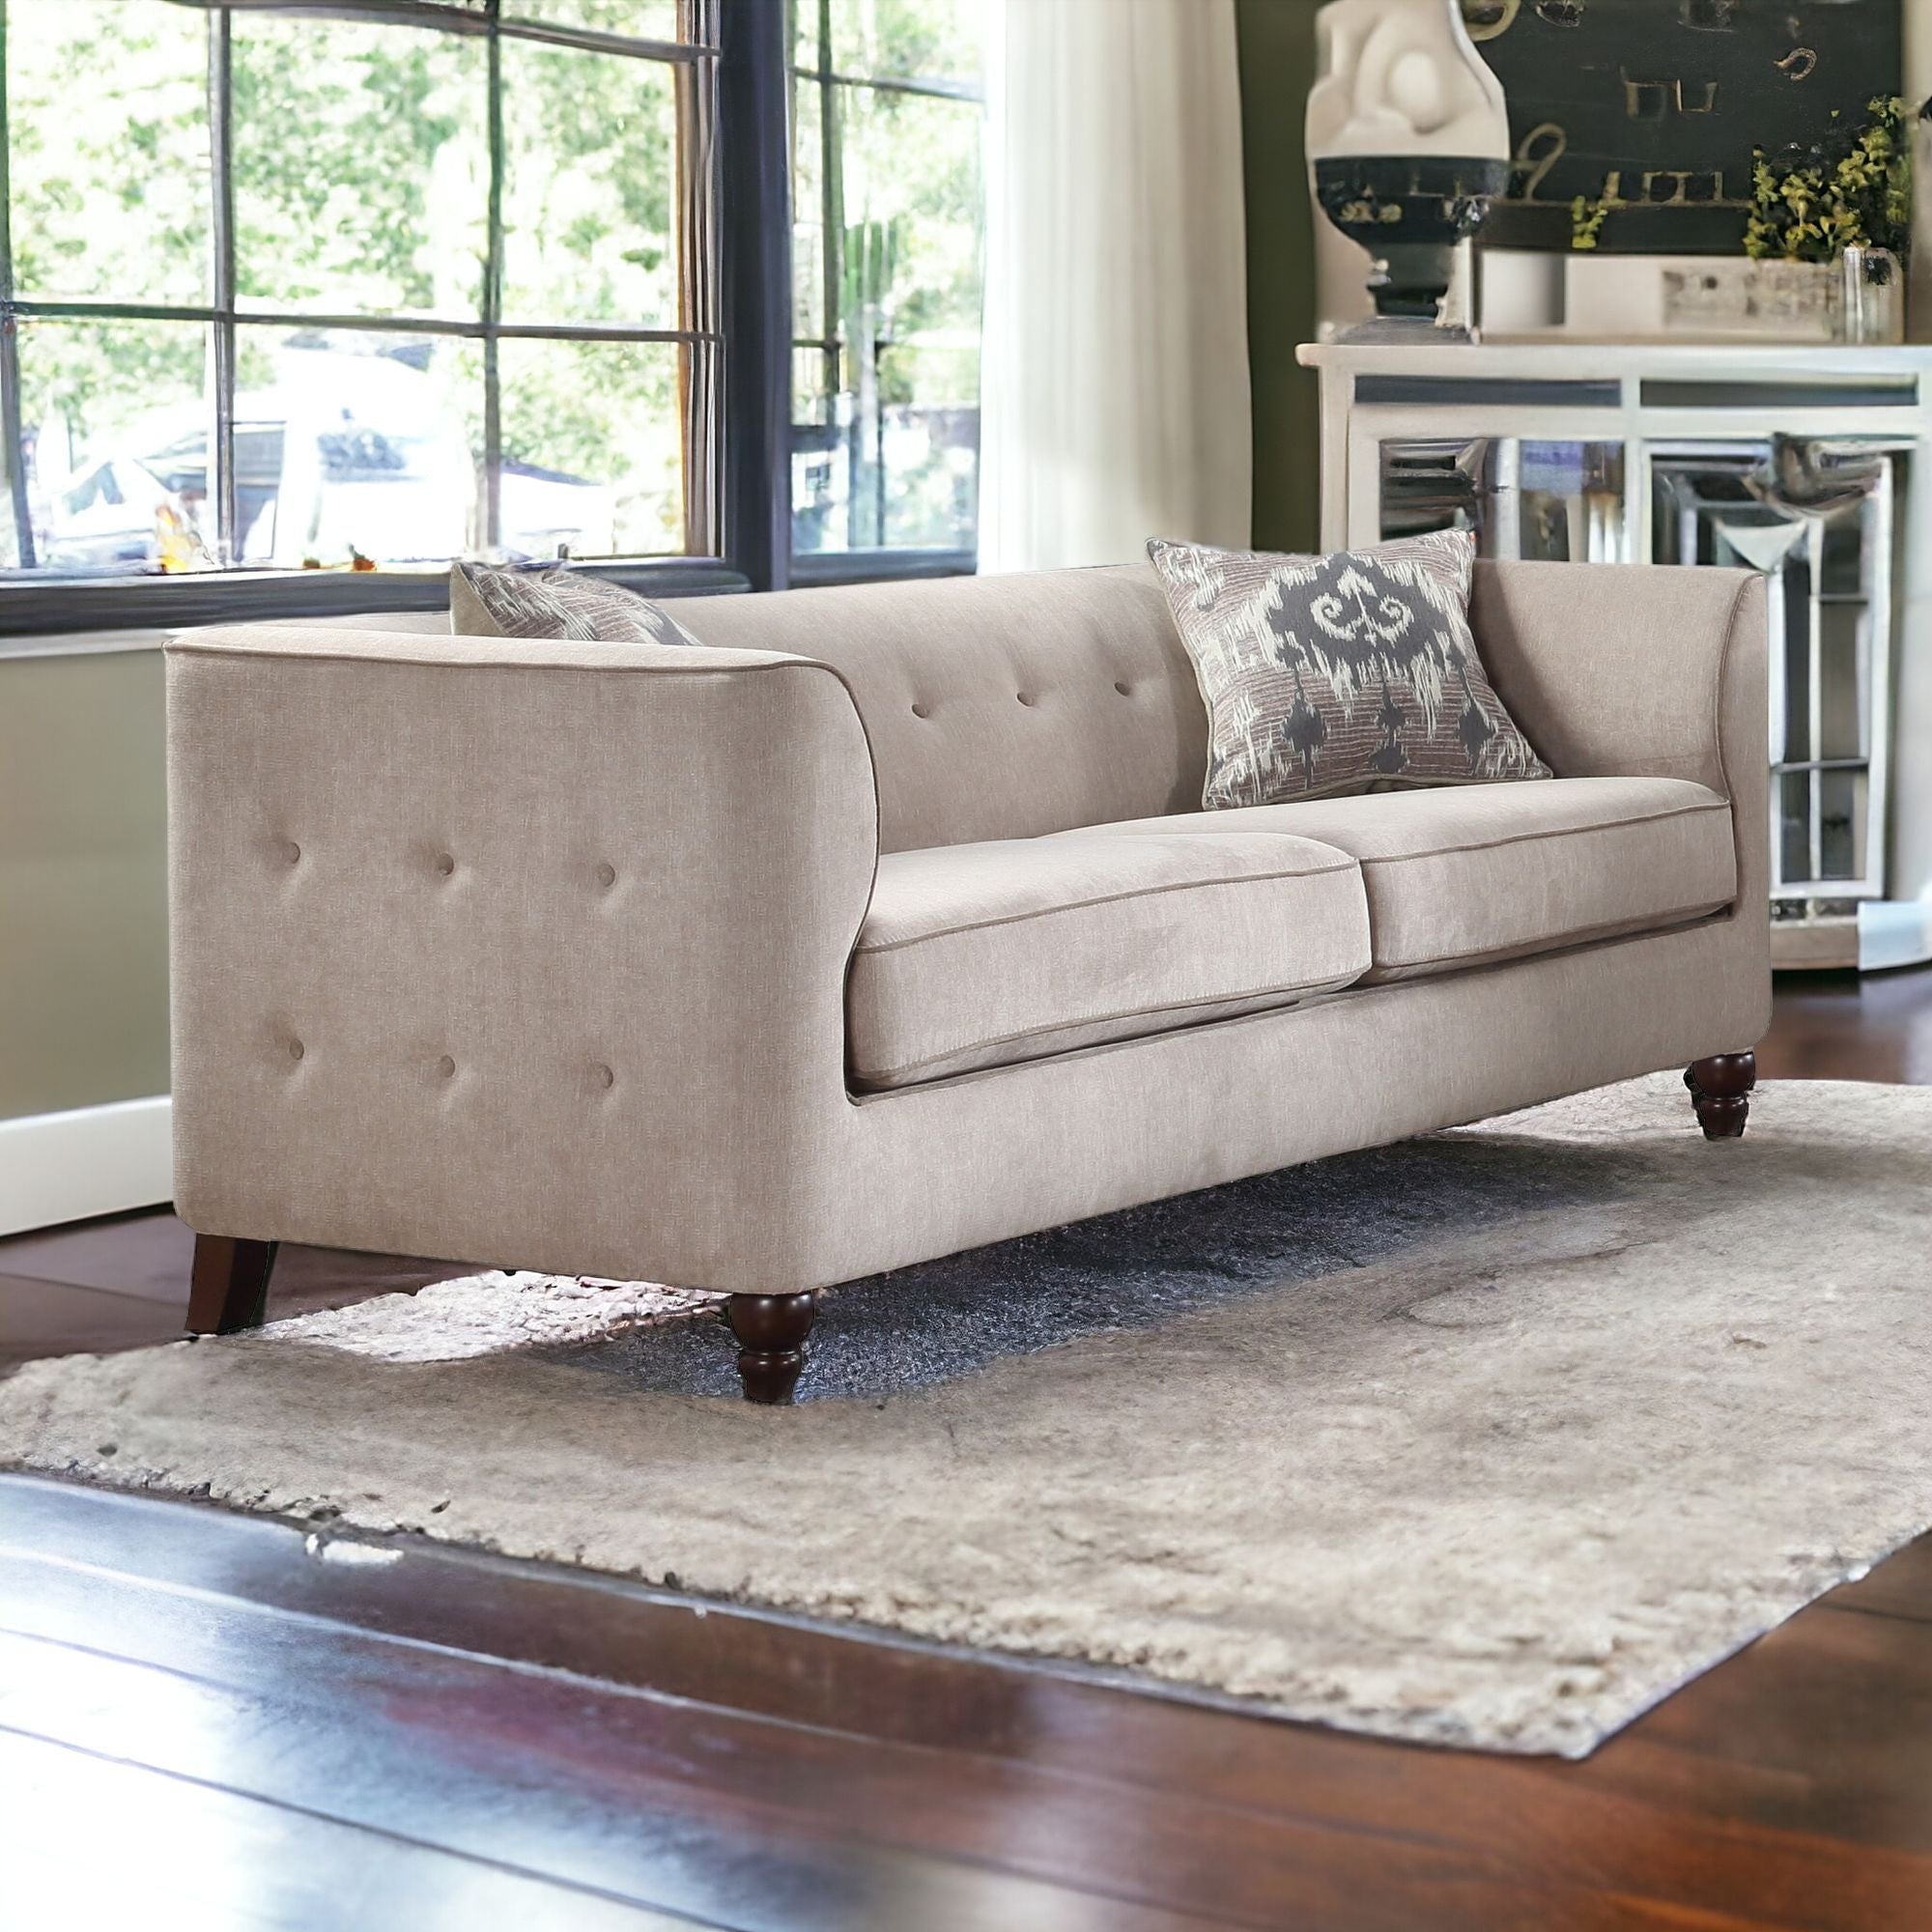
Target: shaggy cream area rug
{"x": 1491, "y": 1439}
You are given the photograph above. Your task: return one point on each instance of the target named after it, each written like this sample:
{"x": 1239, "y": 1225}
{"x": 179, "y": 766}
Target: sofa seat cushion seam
{"x": 1293, "y": 990}
{"x": 1316, "y": 998}
{"x": 863, "y": 949}
{"x": 1532, "y": 838}
{"x": 1641, "y": 922}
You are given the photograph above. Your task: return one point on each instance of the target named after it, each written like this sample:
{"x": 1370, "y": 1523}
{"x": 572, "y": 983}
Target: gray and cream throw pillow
{"x": 1340, "y": 673}
{"x": 550, "y": 601}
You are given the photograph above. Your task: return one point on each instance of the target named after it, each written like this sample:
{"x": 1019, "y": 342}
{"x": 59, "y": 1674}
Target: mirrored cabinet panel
{"x": 1525, "y": 497}
{"x": 1801, "y": 462}
{"x": 1816, "y": 518}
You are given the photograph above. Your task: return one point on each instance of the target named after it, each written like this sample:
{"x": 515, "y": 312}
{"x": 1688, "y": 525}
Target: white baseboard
{"x": 92, "y": 1160}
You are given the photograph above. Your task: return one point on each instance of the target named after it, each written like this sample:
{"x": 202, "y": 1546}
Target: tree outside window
{"x": 888, "y": 202}
{"x": 297, "y": 287}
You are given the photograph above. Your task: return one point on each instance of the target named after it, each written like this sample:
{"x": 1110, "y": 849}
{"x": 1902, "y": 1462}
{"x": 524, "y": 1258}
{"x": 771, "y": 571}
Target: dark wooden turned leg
{"x": 771, "y": 1331}
{"x": 229, "y": 1286}
{"x": 1721, "y": 1090}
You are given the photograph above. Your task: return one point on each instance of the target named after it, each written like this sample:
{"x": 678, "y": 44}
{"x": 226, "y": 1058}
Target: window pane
{"x": 908, "y": 40}
{"x": 638, "y": 20}
{"x": 821, "y": 470}
{"x": 115, "y": 420}
{"x": 107, "y": 124}
{"x": 641, "y": 19}
{"x": 929, "y": 448}
{"x": 806, "y": 35}
{"x": 810, "y": 275}
{"x": 899, "y": 466}
{"x": 361, "y": 167}
{"x": 913, "y": 207}
{"x": 591, "y": 187}
{"x": 351, "y": 445}
{"x": 593, "y": 450}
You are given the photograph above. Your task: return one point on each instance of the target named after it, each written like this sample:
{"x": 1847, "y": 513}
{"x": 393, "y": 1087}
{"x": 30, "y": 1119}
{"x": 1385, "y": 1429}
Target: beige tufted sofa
{"x": 887, "y": 924}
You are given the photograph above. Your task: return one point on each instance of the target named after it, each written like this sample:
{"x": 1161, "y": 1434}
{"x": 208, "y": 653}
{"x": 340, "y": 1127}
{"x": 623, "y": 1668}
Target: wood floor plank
{"x": 576, "y": 1765}
{"x": 1823, "y": 1727}
{"x": 1850, "y": 1026}
{"x": 1901, "y": 1586}
{"x": 307, "y": 1279}
{"x": 186, "y": 1854}
{"x": 1119, "y": 1789}
{"x": 46, "y": 1317}
{"x": 146, "y": 1255}
{"x": 901, "y": 1692}
{"x": 546, "y": 1774}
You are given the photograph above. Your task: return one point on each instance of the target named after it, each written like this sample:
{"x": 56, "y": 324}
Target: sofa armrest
{"x": 1639, "y": 670}
{"x": 521, "y": 951}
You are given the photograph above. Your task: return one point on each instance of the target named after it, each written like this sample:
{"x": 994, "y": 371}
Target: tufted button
{"x": 446, "y": 1066}
{"x": 920, "y": 711}
{"x": 607, "y": 874}
{"x": 1123, "y": 687}
{"x": 291, "y": 851}
{"x": 295, "y": 1049}
{"x": 1023, "y": 697}
{"x": 603, "y": 1075}
{"x": 445, "y": 864}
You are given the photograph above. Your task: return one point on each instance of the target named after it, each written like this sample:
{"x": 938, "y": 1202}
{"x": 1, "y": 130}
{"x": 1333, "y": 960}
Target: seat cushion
{"x": 1471, "y": 874}
{"x": 980, "y": 955}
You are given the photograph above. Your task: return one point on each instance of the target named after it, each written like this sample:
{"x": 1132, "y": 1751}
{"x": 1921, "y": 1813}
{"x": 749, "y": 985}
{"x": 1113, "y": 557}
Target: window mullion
{"x": 492, "y": 296}
{"x": 831, "y": 197}
{"x": 755, "y": 285}
{"x": 698, "y": 197}
{"x": 10, "y": 342}
{"x": 228, "y": 538}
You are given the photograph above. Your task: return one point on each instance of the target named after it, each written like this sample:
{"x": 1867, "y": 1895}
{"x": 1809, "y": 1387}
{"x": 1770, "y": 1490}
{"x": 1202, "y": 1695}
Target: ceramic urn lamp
{"x": 1407, "y": 145}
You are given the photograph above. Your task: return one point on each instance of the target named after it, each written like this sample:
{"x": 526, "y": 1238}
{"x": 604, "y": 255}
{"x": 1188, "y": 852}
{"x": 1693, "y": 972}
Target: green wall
{"x": 83, "y": 881}
{"x": 1276, "y": 40}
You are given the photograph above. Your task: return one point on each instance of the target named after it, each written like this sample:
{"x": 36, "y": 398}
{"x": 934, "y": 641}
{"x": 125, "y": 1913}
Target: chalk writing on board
{"x": 1654, "y": 107}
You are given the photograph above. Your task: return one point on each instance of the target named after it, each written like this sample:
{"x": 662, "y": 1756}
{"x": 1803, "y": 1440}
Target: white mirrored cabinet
{"x": 1796, "y": 463}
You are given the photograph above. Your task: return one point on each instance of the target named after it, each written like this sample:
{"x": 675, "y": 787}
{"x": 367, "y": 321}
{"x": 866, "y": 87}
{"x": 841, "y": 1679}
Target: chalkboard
{"x": 1656, "y": 106}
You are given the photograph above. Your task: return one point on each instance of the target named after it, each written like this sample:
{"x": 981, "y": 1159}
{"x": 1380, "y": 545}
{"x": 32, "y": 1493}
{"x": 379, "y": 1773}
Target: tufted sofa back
{"x": 1001, "y": 707}
{"x": 996, "y": 707}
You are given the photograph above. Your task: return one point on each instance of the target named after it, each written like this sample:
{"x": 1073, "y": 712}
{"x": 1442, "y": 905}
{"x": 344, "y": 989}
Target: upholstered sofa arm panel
{"x": 1642, "y": 671}
{"x": 1625, "y": 670}
{"x": 527, "y": 953}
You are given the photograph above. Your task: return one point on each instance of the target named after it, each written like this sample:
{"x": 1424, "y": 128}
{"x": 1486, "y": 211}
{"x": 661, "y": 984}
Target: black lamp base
{"x": 1409, "y": 211}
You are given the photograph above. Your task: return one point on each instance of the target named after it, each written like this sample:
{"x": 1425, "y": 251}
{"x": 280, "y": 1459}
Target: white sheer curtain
{"x": 1115, "y": 385}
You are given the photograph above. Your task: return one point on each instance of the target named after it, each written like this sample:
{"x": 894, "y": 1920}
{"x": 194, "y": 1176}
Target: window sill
{"x": 78, "y": 616}
{"x": 78, "y": 644}
{"x": 47, "y": 616}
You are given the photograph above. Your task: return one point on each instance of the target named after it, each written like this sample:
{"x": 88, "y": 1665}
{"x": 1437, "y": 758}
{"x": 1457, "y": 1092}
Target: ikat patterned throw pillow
{"x": 486, "y": 601}
{"x": 1344, "y": 674}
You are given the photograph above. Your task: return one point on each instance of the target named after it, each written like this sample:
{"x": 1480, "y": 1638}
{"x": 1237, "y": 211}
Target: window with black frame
{"x": 342, "y": 284}
{"x": 888, "y": 213}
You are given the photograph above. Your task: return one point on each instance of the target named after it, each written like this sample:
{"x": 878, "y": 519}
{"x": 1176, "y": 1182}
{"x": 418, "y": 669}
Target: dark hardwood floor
{"x": 222, "y": 1721}
{"x": 1836, "y": 1026}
